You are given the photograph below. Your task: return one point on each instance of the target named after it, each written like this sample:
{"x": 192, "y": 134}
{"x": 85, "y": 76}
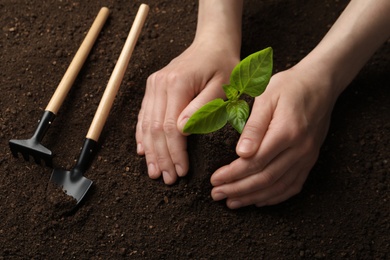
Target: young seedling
{"x": 250, "y": 77}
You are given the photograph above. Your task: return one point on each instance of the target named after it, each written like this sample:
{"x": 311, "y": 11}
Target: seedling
{"x": 250, "y": 77}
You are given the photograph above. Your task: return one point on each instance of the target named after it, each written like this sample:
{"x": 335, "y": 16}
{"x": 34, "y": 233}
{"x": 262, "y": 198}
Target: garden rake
{"x": 73, "y": 182}
{"x": 33, "y": 147}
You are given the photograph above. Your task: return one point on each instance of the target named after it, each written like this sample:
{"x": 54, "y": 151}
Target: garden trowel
{"x": 73, "y": 182}
{"x": 33, "y": 147}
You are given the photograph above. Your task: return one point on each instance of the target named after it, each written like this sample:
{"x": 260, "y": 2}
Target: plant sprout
{"x": 251, "y": 77}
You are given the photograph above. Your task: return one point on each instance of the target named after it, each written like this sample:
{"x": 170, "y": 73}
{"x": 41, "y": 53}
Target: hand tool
{"x": 73, "y": 182}
{"x": 33, "y": 147}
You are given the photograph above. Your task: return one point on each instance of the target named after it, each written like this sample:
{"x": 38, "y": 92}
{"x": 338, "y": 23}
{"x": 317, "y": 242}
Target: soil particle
{"x": 59, "y": 201}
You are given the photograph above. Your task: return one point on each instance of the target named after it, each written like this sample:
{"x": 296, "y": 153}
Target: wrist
{"x": 352, "y": 40}
{"x": 219, "y": 22}
{"x": 320, "y": 73}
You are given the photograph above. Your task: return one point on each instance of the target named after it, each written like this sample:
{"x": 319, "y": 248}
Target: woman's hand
{"x": 279, "y": 144}
{"x": 289, "y": 121}
{"x": 182, "y": 87}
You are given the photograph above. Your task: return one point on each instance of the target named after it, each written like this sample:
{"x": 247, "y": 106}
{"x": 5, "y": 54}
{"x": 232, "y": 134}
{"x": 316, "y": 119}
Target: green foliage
{"x": 251, "y": 77}
{"x": 209, "y": 118}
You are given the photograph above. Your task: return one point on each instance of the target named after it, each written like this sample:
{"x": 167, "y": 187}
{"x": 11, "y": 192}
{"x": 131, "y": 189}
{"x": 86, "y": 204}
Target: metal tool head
{"x": 72, "y": 182}
{"x": 31, "y": 148}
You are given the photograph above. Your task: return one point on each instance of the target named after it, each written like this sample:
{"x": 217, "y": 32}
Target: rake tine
{"x": 37, "y": 160}
{"x": 26, "y": 157}
{"x": 14, "y": 152}
{"x": 48, "y": 163}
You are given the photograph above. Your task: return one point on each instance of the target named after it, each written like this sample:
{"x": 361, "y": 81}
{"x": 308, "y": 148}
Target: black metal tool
{"x": 33, "y": 147}
{"x": 73, "y": 182}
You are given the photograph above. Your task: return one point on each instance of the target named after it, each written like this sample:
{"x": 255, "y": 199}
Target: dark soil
{"x": 343, "y": 211}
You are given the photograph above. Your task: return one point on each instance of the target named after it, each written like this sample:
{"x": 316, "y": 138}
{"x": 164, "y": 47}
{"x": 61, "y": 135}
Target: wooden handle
{"x": 77, "y": 62}
{"x": 115, "y": 80}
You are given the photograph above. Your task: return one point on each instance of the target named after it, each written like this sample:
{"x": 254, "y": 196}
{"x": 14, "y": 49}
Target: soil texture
{"x": 343, "y": 211}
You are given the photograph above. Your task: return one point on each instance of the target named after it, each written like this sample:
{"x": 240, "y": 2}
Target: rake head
{"x": 32, "y": 147}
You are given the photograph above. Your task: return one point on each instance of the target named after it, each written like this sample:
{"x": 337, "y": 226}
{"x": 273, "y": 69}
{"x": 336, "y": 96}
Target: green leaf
{"x": 252, "y": 74}
{"x": 209, "y": 118}
{"x": 231, "y": 92}
{"x": 238, "y": 113}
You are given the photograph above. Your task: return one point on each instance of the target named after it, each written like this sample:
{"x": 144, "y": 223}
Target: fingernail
{"x": 179, "y": 170}
{"x": 152, "y": 170}
{"x": 219, "y": 196}
{"x": 245, "y": 146}
{"x": 235, "y": 204}
{"x": 167, "y": 178}
{"x": 216, "y": 183}
{"x": 183, "y": 122}
{"x": 140, "y": 148}
{"x": 221, "y": 174}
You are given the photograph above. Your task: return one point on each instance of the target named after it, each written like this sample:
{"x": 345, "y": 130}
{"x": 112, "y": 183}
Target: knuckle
{"x": 172, "y": 76}
{"x": 156, "y": 127}
{"x": 251, "y": 130}
{"x": 256, "y": 165}
{"x": 266, "y": 179}
{"x": 152, "y": 127}
{"x": 159, "y": 76}
{"x": 296, "y": 134}
{"x": 145, "y": 126}
{"x": 151, "y": 79}
{"x": 170, "y": 126}
{"x": 281, "y": 187}
{"x": 161, "y": 160}
{"x": 236, "y": 190}
{"x": 148, "y": 153}
{"x": 165, "y": 77}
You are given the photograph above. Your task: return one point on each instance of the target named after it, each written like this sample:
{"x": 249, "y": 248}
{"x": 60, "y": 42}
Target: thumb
{"x": 255, "y": 129}
{"x": 212, "y": 90}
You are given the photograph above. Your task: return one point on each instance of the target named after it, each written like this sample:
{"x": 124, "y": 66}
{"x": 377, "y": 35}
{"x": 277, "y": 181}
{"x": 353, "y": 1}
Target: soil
{"x": 343, "y": 211}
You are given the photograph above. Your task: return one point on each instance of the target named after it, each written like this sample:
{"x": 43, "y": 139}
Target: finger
{"x": 177, "y": 147}
{"x": 273, "y": 144}
{"x": 284, "y": 131}
{"x": 255, "y": 128}
{"x": 146, "y": 124}
{"x": 211, "y": 91}
{"x": 236, "y": 170}
{"x": 282, "y": 188}
{"x": 176, "y": 141}
{"x": 162, "y": 156}
{"x": 138, "y": 129}
{"x": 292, "y": 190}
{"x": 259, "y": 181}
{"x": 276, "y": 139}
{"x": 142, "y": 127}
{"x": 287, "y": 186}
